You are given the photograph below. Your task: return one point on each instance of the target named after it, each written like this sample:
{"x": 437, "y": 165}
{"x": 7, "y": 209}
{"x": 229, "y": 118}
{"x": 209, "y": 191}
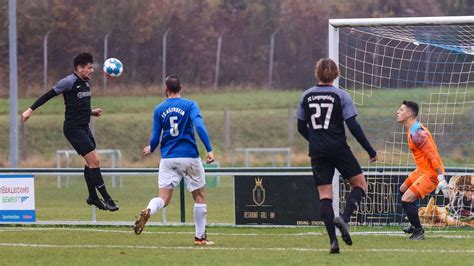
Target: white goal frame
{"x": 335, "y": 24}
{"x": 333, "y": 50}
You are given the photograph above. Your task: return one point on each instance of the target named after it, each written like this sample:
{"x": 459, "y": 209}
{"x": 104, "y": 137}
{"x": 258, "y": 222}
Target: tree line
{"x": 136, "y": 29}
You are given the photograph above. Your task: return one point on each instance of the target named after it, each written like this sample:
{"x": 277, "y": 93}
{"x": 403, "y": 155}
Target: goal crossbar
{"x": 365, "y": 22}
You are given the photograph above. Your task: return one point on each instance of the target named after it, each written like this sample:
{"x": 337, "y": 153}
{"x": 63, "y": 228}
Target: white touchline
{"x": 160, "y": 232}
{"x": 435, "y": 234}
{"x": 234, "y": 249}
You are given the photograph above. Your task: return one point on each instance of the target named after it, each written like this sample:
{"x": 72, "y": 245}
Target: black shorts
{"x": 343, "y": 160}
{"x": 80, "y": 137}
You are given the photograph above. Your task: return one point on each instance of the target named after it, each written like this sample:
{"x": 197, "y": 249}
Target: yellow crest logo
{"x": 258, "y": 192}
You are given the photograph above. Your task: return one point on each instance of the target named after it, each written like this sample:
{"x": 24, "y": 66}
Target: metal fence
{"x": 219, "y": 67}
{"x": 56, "y": 200}
{"x": 61, "y": 206}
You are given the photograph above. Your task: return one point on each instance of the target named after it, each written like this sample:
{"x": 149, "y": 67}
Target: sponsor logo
{"x": 258, "y": 192}
{"x": 17, "y": 217}
{"x": 15, "y": 199}
{"x": 83, "y": 94}
{"x": 10, "y": 217}
{"x": 14, "y": 190}
{"x": 24, "y": 198}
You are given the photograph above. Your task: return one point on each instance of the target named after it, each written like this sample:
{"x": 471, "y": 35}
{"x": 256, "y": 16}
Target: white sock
{"x": 155, "y": 205}
{"x": 200, "y": 212}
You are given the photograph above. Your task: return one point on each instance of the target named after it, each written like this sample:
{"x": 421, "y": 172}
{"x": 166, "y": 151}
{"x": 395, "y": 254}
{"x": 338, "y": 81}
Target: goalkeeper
{"x": 429, "y": 172}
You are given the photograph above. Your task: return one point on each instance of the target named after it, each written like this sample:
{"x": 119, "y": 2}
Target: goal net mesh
{"x": 432, "y": 65}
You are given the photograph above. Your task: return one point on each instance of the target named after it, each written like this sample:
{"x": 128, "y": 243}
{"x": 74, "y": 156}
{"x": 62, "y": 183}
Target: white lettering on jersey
{"x": 172, "y": 110}
{"x": 83, "y": 94}
{"x": 320, "y": 98}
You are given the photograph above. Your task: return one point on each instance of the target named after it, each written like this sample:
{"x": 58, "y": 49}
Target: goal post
{"x": 383, "y": 61}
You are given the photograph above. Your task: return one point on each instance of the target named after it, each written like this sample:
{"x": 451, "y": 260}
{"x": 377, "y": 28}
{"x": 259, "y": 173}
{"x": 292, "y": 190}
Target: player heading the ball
{"x": 76, "y": 90}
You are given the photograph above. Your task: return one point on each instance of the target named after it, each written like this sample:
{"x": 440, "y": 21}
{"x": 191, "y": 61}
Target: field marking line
{"x": 401, "y": 234}
{"x": 159, "y": 233}
{"x": 30, "y": 245}
{"x": 436, "y": 234}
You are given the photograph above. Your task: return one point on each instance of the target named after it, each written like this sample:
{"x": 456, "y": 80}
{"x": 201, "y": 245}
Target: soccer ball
{"x": 113, "y": 67}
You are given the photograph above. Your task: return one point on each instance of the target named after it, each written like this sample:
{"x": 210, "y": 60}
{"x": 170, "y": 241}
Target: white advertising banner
{"x": 17, "y": 198}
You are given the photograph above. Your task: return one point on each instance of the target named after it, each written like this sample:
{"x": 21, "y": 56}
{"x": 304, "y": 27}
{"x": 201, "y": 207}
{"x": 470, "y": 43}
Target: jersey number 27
{"x": 315, "y": 117}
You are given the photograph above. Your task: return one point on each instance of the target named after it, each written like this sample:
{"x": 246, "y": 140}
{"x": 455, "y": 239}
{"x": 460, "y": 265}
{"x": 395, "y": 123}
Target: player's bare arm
{"x": 26, "y": 114}
{"x": 210, "y": 157}
{"x": 96, "y": 112}
{"x": 147, "y": 150}
{"x": 373, "y": 159}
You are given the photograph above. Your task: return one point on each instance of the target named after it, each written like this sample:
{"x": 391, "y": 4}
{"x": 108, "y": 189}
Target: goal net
{"x": 425, "y": 60}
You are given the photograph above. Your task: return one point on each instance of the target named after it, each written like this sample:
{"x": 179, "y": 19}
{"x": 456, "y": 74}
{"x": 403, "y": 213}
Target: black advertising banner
{"x": 293, "y": 200}
{"x": 276, "y": 200}
{"x": 382, "y": 203}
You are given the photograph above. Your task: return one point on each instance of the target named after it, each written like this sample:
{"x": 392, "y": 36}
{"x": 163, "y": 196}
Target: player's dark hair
{"x": 413, "y": 107}
{"x": 83, "y": 59}
{"x": 326, "y": 70}
{"x": 173, "y": 84}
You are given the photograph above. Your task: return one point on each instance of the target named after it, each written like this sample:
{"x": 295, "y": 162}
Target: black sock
{"x": 327, "y": 214}
{"x": 412, "y": 213}
{"x": 90, "y": 184}
{"x": 352, "y": 202}
{"x": 99, "y": 182}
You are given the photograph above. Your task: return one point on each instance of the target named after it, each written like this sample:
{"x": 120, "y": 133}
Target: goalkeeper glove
{"x": 443, "y": 186}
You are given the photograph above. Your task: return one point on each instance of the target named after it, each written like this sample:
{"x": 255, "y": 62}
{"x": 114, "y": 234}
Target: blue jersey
{"x": 177, "y": 117}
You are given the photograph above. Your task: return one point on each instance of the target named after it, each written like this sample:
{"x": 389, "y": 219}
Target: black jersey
{"x": 77, "y": 99}
{"x": 325, "y": 108}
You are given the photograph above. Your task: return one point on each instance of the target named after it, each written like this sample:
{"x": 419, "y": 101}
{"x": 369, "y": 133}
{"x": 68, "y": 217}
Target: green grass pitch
{"x": 233, "y": 246}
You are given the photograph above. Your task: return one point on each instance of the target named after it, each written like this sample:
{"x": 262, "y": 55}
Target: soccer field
{"x": 48, "y": 245}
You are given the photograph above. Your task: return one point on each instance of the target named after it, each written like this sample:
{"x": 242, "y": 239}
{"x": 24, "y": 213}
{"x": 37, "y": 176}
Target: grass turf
{"x": 234, "y": 246}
